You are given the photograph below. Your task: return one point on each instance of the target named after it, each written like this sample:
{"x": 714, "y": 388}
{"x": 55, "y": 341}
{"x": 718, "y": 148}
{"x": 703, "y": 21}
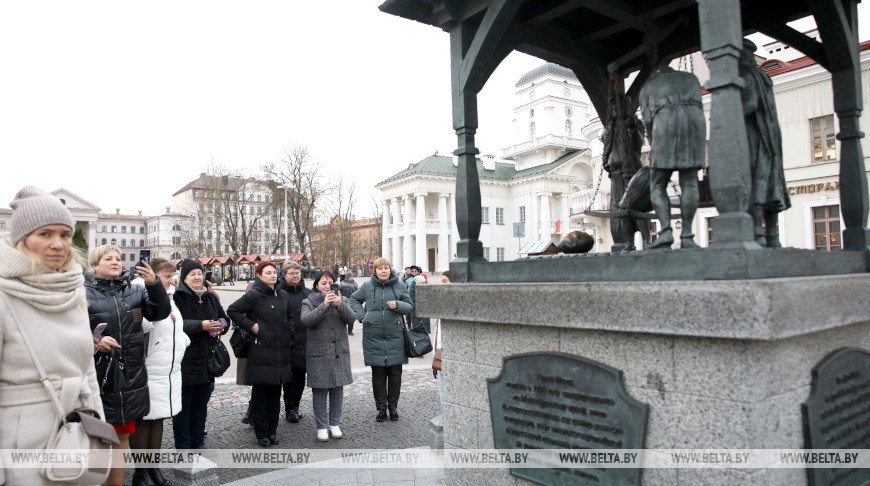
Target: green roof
{"x": 443, "y": 166}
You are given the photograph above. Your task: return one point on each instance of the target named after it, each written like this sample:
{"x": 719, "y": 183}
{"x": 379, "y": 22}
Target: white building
{"x": 548, "y": 161}
{"x": 165, "y": 234}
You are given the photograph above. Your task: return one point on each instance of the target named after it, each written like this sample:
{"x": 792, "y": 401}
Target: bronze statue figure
{"x": 623, "y": 141}
{"x": 769, "y": 193}
{"x": 674, "y": 120}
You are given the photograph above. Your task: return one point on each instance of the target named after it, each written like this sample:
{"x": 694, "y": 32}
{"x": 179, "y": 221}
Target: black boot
{"x": 293, "y": 416}
{"x": 142, "y": 478}
{"x": 394, "y": 414}
{"x": 158, "y": 478}
{"x": 382, "y": 415}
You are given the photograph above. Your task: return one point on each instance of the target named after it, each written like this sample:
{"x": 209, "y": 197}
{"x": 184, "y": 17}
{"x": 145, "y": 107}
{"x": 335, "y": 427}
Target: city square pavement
{"x": 418, "y": 404}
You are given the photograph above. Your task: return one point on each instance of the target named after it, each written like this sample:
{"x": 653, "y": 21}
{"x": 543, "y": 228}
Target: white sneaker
{"x": 322, "y": 435}
{"x": 335, "y": 432}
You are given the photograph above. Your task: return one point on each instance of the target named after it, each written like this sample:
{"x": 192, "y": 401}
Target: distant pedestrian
{"x": 371, "y": 268}
{"x": 407, "y": 274}
{"x": 347, "y": 288}
{"x": 327, "y": 315}
{"x": 379, "y": 305}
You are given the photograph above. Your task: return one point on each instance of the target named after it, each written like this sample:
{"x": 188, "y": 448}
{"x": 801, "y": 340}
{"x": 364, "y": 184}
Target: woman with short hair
{"x": 380, "y": 304}
{"x": 166, "y": 343}
{"x": 327, "y": 315}
{"x": 266, "y": 312}
{"x": 114, "y": 300}
{"x": 41, "y": 294}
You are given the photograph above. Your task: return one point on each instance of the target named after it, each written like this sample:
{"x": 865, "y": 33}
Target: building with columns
{"x": 537, "y": 184}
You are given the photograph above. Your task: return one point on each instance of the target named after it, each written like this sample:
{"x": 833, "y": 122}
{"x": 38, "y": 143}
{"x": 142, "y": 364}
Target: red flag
{"x": 558, "y": 224}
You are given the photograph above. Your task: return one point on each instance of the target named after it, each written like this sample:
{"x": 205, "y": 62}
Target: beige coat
{"x": 56, "y": 321}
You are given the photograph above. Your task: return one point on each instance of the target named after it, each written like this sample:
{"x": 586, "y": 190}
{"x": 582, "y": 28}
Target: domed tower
{"x": 551, "y": 108}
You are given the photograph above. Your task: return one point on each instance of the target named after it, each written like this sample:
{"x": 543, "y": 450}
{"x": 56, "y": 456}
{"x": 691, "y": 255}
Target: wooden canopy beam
{"x": 479, "y": 61}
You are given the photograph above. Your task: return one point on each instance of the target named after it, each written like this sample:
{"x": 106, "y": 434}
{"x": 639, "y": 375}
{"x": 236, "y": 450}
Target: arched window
{"x": 532, "y": 113}
{"x": 103, "y": 242}
{"x": 568, "y": 128}
{"x": 532, "y": 130}
{"x": 142, "y": 243}
{"x": 114, "y": 241}
{"x": 123, "y": 243}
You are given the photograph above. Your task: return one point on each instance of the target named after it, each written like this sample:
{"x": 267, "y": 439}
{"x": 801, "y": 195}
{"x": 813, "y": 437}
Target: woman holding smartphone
{"x": 114, "y": 300}
{"x": 327, "y": 316}
{"x": 266, "y": 313}
{"x": 202, "y": 313}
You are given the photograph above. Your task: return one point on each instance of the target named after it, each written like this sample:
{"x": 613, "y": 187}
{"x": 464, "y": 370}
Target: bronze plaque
{"x": 837, "y": 414}
{"x": 563, "y": 401}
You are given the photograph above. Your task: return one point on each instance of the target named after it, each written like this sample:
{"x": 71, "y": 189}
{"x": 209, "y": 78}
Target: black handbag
{"x": 219, "y": 359}
{"x": 111, "y": 367}
{"x": 240, "y": 341}
{"x": 417, "y": 342}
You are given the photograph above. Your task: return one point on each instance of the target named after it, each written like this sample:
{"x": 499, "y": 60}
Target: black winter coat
{"x": 269, "y": 356}
{"x": 297, "y": 294}
{"x": 122, "y": 307}
{"x": 194, "y": 366}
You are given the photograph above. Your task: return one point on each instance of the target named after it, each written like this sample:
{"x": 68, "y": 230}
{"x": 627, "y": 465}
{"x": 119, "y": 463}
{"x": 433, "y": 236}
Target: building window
{"x": 123, "y": 257}
{"x": 824, "y": 138}
{"x": 114, "y": 241}
{"x": 484, "y": 215}
{"x": 176, "y": 240}
{"x": 532, "y": 113}
{"x": 104, "y": 228}
{"x": 132, "y": 257}
{"x": 103, "y": 242}
{"x": 141, "y": 230}
{"x": 141, "y": 242}
{"x": 486, "y": 253}
{"x": 123, "y": 229}
{"x": 499, "y": 215}
{"x": 522, "y": 214}
{"x": 123, "y": 243}
{"x": 114, "y": 229}
{"x": 499, "y": 254}
{"x": 568, "y": 128}
{"x": 2, "y": 224}
{"x": 826, "y": 228}
{"x": 532, "y": 130}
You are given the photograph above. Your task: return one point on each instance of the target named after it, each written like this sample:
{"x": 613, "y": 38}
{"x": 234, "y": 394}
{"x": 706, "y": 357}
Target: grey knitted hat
{"x": 32, "y": 209}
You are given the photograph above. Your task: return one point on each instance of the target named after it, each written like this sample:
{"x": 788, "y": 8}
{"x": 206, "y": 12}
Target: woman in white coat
{"x": 41, "y": 294}
{"x": 166, "y": 342}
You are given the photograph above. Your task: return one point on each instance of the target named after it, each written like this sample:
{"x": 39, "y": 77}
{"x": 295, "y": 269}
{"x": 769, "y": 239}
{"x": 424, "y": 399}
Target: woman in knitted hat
{"x": 42, "y": 295}
{"x": 266, "y": 313}
{"x": 113, "y": 300}
{"x": 201, "y": 313}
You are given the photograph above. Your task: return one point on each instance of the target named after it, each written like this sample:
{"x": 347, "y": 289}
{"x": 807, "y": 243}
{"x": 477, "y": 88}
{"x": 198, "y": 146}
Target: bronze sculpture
{"x": 623, "y": 141}
{"x": 769, "y": 193}
{"x": 674, "y": 120}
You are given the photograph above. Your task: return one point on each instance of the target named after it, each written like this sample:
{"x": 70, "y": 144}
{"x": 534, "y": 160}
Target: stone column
{"x": 92, "y": 235}
{"x": 545, "y": 217}
{"x": 454, "y": 230}
{"x": 532, "y": 230}
{"x": 407, "y": 248}
{"x": 385, "y": 223}
{"x": 730, "y": 181}
{"x": 564, "y": 215}
{"x": 396, "y": 257}
{"x": 443, "y": 256}
{"x": 422, "y": 258}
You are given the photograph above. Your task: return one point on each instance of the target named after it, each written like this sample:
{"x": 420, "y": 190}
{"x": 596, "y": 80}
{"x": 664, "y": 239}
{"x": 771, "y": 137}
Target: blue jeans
{"x": 189, "y": 425}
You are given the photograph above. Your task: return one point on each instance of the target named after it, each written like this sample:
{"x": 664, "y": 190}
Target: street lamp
{"x": 286, "y": 234}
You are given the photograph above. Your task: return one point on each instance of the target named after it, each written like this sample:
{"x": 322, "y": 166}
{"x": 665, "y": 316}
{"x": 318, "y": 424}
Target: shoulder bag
{"x": 417, "y": 341}
{"x": 82, "y": 429}
{"x": 436, "y": 361}
{"x": 218, "y": 359}
{"x": 241, "y": 339}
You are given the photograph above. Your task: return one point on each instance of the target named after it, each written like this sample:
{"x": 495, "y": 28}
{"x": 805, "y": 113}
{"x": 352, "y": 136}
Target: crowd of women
{"x": 137, "y": 351}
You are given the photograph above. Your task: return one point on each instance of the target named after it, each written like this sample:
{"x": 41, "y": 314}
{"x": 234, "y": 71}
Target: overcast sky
{"x": 125, "y": 102}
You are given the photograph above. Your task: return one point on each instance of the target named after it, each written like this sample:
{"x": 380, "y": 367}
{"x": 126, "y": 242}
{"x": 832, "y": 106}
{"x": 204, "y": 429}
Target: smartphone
{"x": 98, "y": 331}
{"x": 334, "y": 288}
{"x": 145, "y": 256}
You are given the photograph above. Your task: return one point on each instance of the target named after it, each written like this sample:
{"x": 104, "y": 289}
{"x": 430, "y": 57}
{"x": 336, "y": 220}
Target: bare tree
{"x": 345, "y": 199}
{"x": 301, "y": 176}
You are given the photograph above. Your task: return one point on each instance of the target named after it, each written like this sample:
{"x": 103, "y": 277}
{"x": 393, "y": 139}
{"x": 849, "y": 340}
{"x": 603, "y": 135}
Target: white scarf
{"x": 47, "y": 290}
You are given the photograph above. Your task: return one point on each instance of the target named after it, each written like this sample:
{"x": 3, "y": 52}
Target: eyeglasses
{"x": 294, "y": 274}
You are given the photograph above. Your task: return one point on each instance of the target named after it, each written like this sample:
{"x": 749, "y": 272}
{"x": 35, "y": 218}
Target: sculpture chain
{"x": 597, "y": 186}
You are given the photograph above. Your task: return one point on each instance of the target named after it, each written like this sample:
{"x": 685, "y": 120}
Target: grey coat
{"x": 327, "y": 350}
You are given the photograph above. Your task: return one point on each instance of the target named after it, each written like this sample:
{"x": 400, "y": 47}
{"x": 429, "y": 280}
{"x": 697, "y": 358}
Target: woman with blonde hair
{"x": 380, "y": 304}
{"x": 41, "y": 294}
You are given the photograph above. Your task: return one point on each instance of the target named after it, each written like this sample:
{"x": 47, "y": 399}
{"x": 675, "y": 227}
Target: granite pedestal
{"x": 722, "y": 364}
